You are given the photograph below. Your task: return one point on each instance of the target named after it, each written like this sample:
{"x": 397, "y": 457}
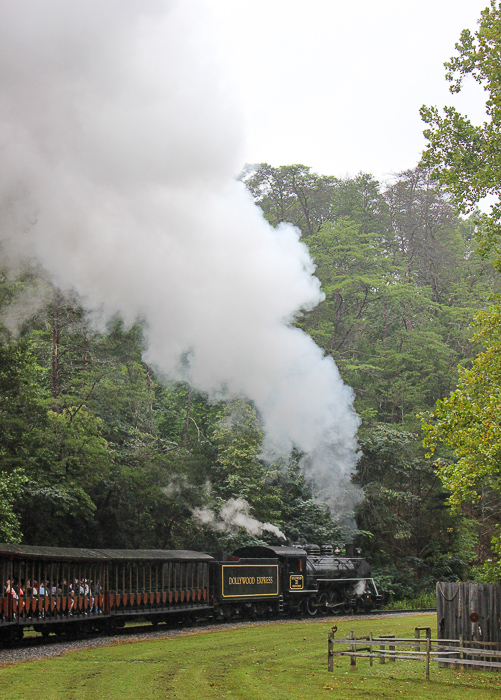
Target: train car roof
{"x": 156, "y": 554}
{"x": 260, "y": 551}
{"x": 22, "y": 551}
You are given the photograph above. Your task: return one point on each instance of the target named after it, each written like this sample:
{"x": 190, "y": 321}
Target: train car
{"x": 66, "y": 590}
{"x": 157, "y": 584}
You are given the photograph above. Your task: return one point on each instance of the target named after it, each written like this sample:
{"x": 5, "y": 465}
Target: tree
{"x": 11, "y": 489}
{"x": 469, "y": 423}
{"x": 464, "y": 157}
{"x": 292, "y": 193}
{"x": 403, "y": 496}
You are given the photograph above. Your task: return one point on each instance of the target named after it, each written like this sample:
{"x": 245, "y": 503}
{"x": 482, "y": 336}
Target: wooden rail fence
{"x": 385, "y": 648}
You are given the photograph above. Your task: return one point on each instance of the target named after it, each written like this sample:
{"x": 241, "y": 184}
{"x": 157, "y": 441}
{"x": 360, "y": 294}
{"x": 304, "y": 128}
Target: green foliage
{"x": 402, "y": 496}
{"x": 401, "y": 285}
{"x": 291, "y": 193}
{"x": 11, "y": 490}
{"x": 463, "y": 156}
{"x": 426, "y": 599}
{"x": 468, "y": 420}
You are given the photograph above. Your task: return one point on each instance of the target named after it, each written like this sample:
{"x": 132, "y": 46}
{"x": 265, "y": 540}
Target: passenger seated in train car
{"x": 90, "y": 588}
{"x": 65, "y": 593}
{"x": 96, "y": 591}
{"x": 52, "y": 589}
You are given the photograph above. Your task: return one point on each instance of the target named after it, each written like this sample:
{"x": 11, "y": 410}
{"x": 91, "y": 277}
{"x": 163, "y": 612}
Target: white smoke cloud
{"x": 119, "y": 144}
{"x": 234, "y": 514}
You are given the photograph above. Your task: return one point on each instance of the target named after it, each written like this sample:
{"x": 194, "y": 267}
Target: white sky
{"x": 337, "y": 85}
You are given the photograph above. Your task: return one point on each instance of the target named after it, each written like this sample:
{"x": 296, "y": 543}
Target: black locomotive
{"x": 66, "y": 591}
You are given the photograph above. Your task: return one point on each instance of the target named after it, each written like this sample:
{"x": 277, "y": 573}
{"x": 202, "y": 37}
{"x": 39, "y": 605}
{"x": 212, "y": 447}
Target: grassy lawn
{"x": 285, "y": 660}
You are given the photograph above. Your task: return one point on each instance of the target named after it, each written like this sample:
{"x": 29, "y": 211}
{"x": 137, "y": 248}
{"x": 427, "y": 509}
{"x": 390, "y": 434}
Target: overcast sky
{"x": 337, "y": 85}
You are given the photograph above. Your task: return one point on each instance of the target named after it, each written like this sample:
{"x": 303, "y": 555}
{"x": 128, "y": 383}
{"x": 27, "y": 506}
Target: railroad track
{"x": 37, "y": 647}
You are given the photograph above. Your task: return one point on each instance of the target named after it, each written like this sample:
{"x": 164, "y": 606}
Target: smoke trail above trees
{"x": 120, "y": 142}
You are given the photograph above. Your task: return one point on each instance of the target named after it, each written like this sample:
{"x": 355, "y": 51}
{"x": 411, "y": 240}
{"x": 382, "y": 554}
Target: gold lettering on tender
{"x": 249, "y": 580}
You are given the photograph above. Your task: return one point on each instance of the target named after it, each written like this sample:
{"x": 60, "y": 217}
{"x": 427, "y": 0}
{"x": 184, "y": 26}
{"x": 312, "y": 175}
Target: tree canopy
{"x": 463, "y": 156}
{"x": 465, "y": 159}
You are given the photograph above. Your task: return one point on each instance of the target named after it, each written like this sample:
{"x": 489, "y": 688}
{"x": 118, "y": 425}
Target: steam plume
{"x": 119, "y": 144}
{"x": 235, "y": 513}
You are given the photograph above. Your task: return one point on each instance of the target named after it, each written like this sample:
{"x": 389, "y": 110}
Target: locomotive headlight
{"x": 358, "y": 551}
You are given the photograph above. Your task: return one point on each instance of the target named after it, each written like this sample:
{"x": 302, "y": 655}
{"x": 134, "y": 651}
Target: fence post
{"x": 391, "y": 647}
{"x": 381, "y": 656}
{"x": 428, "y": 648}
{"x": 330, "y": 650}
{"x": 353, "y": 648}
{"x": 370, "y": 648}
{"x": 461, "y": 653}
{"x": 417, "y": 635}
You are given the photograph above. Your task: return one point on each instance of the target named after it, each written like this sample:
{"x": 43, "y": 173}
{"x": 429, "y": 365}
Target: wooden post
{"x": 330, "y": 652}
{"x": 461, "y": 653}
{"x": 370, "y": 647}
{"x": 353, "y": 648}
{"x": 391, "y": 647}
{"x": 428, "y": 648}
{"x": 417, "y": 634}
{"x": 381, "y": 656}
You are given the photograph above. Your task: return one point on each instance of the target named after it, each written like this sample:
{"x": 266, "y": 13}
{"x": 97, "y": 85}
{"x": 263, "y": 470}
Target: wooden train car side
{"x": 60, "y": 589}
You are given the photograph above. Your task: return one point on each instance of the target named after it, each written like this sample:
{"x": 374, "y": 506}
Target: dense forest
{"x": 98, "y": 449}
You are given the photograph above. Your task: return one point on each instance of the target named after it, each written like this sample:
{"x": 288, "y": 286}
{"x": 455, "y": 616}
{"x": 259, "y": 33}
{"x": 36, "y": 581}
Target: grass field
{"x": 285, "y": 660}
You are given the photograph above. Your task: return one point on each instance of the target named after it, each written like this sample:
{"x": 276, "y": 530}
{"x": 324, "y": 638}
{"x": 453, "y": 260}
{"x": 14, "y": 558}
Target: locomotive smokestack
{"x": 349, "y": 549}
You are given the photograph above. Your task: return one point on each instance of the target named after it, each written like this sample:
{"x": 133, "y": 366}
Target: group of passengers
{"x": 45, "y": 588}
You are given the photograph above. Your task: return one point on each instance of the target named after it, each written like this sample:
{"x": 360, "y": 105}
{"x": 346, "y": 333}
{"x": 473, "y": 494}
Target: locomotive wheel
{"x": 347, "y": 607}
{"x": 323, "y": 599}
{"x": 311, "y": 605}
{"x": 333, "y": 599}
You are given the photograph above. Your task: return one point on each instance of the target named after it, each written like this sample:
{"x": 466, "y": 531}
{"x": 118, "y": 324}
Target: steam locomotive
{"x": 69, "y": 591}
